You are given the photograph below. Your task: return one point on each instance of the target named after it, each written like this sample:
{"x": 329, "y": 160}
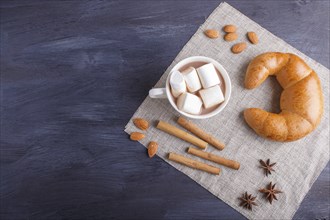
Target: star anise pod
{"x": 247, "y": 201}
{"x": 270, "y": 192}
{"x": 267, "y": 166}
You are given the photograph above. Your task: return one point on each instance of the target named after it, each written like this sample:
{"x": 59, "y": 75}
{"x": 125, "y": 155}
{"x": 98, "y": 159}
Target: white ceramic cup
{"x": 166, "y": 92}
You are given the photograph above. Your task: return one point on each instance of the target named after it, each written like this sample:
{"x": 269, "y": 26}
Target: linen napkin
{"x": 299, "y": 163}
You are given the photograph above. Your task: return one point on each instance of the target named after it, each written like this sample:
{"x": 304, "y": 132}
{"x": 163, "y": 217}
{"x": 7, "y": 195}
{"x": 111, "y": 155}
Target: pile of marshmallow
{"x": 195, "y": 88}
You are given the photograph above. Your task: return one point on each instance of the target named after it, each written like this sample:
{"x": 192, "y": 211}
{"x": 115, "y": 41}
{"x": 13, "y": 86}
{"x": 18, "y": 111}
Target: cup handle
{"x": 158, "y": 93}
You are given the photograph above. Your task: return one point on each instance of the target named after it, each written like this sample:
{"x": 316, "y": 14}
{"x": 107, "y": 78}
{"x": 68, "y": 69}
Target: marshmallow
{"x": 189, "y": 103}
{"x": 211, "y": 96}
{"x": 192, "y": 80}
{"x": 208, "y": 75}
{"x": 178, "y": 85}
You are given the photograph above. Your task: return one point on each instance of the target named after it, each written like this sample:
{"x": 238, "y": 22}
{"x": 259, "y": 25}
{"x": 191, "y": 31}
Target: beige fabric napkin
{"x": 299, "y": 163}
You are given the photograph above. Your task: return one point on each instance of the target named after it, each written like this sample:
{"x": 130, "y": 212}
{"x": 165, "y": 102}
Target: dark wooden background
{"x": 74, "y": 72}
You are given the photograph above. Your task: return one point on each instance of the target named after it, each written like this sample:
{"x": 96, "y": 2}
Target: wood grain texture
{"x": 74, "y": 72}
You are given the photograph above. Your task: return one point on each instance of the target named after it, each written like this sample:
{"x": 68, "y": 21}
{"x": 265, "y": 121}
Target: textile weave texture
{"x": 299, "y": 163}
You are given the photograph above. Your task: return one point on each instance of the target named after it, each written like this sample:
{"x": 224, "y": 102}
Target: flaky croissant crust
{"x": 301, "y": 100}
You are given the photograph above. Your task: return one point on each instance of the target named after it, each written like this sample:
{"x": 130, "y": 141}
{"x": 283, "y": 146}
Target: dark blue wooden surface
{"x": 74, "y": 72}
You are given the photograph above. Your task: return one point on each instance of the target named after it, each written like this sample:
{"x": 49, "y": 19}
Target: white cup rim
{"x": 223, "y": 73}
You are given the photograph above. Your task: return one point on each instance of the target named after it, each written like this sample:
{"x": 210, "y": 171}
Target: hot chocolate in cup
{"x": 196, "y": 62}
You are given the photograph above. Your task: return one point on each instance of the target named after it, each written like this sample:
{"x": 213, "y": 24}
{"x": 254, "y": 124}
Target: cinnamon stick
{"x": 193, "y": 163}
{"x": 212, "y": 157}
{"x": 170, "y": 129}
{"x": 200, "y": 133}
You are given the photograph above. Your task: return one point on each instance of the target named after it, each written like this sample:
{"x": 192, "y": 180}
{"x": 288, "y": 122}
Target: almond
{"x": 141, "y": 123}
{"x": 152, "y": 148}
{"x": 229, "y": 28}
{"x": 253, "y": 38}
{"x": 230, "y": 37}
{"x": 136, "y": 136}
{"x": 211, "y": 33}
{"x": 238, "y": 48}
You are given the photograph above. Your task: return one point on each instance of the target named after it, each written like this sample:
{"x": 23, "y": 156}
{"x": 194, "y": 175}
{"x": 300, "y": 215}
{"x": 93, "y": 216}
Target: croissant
{"x": 301, "y": 101}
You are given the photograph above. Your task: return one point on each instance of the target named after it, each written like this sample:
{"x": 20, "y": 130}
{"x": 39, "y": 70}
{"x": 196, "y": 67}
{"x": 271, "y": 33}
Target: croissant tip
{"x": 248, "y": 86}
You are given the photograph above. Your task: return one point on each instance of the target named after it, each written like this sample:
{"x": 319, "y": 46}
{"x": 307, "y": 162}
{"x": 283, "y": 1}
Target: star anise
{"x": 247, "y": 201}
{"x": 267, "y": 166}
{"x": 270, "y": 192}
